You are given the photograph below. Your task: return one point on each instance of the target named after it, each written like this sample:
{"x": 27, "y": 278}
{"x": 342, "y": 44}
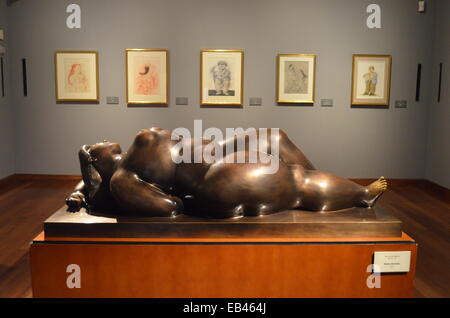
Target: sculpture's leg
{"x": 322, "y": 191}
{"x": 288, "y": 152}
{"x": 142, "y": 199}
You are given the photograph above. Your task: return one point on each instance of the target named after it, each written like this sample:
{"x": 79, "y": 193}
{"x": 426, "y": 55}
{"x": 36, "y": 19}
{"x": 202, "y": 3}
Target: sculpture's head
{"x": 98, "y": 163}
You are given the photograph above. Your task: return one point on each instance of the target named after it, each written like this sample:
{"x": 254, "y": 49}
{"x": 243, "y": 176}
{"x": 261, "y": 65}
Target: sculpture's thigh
{"x": 287, "y": 151}
{"x": 322, "y": 191}
{"x": 140, "y": 198}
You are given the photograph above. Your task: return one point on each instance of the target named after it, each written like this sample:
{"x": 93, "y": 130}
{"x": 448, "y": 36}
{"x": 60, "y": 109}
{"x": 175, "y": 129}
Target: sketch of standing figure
{"x": 371, "y": 79}
{"x": 77, "y": 80}
{"x": 296, "y": 78}
{"x": 221, "y": 75}
{"x": 147, "y": 80}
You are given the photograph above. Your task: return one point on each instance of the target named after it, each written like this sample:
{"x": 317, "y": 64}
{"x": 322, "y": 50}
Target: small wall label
{"x": 181, "y": 101}
{"x": 255, "y": 101}
{"x": 326, "y": 102}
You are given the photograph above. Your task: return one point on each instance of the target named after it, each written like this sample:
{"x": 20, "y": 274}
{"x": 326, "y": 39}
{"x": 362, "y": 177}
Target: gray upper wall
{"x": 6, "y": 110}
{"x": 351, "y": 142}
{"x": 438, "y": 154}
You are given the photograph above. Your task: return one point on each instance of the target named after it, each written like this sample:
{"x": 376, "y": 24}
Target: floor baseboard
{"x": 46, "y": 177}
{"x": 17, "y": 178}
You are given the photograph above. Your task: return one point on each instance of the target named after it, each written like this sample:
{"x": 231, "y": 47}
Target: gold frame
{"x": 97, "y": 86}
{"x": 166, "y": 102}
{"x": 291, "y": 101}
{"x": 241, "y": 99}
{"x": 386, "y": 100}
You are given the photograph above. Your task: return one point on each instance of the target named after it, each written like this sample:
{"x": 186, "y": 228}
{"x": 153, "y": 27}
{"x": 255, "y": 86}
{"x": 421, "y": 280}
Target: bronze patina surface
{"x": 146, "y": 182}
{"x": 354, "y": 222}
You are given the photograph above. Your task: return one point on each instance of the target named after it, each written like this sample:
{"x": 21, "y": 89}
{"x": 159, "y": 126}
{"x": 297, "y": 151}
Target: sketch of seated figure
{"x": 77, "y": 80}
{"x": 296, "y": 78}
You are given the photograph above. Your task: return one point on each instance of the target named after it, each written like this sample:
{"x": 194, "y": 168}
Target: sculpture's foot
{"x": 374, "y": 190}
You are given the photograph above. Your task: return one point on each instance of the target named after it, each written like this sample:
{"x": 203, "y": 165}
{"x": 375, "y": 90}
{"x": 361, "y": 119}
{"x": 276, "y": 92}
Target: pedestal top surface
{"x": 356, "y": 222}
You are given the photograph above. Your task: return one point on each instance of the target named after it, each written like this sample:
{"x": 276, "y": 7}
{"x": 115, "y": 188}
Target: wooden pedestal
{"x": 213, "y": 267}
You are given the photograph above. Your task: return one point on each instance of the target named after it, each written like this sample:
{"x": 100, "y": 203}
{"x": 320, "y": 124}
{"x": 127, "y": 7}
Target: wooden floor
{"x": 426, "y": 217}
{"x": 423, "y": 207}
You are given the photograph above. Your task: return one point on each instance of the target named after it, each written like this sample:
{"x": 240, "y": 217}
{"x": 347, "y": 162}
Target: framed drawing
{"x": 147, "y": 72}
{"x": 221, "y": 77}
{"x": 371, "y": 80}
{"x": 296, "y": 78}
{"x": 76, "y": 76}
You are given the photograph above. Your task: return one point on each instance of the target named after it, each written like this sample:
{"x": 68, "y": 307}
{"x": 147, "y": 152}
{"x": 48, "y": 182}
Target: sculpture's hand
{"x": 178, "y": 205}
{"x": 75, "y": 201}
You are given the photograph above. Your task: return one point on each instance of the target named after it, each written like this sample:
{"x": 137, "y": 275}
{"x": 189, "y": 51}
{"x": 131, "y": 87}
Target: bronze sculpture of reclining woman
{"x": 146, "y": 182}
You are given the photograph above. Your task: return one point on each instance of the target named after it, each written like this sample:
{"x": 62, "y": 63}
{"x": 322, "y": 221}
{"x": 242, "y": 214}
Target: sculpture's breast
{"x": 150, "y": 158}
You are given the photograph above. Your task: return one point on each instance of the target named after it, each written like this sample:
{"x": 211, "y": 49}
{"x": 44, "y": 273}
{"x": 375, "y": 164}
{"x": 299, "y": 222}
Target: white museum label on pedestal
{"x": 393, "y": 261}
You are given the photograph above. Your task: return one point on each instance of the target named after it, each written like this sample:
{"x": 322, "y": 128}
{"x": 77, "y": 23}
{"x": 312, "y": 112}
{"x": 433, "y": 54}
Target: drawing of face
{"x": 222, "y": 65}
{"x": 75, "y": 69}
{"x": 372, "y": 69}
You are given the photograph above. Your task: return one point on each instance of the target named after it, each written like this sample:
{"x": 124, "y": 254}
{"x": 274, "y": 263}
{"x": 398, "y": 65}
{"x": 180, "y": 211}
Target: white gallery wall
{"x": 351, "y": 142}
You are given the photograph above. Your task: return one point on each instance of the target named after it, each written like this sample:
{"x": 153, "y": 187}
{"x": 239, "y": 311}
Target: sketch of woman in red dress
{"x": 77, "y": 80}
{"x": 147, "y": 80}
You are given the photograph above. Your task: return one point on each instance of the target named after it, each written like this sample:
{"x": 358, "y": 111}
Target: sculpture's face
{"x": 98, "y": 163}
{"x": 104, "y": 156}
{"x": 104, "y": 150}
